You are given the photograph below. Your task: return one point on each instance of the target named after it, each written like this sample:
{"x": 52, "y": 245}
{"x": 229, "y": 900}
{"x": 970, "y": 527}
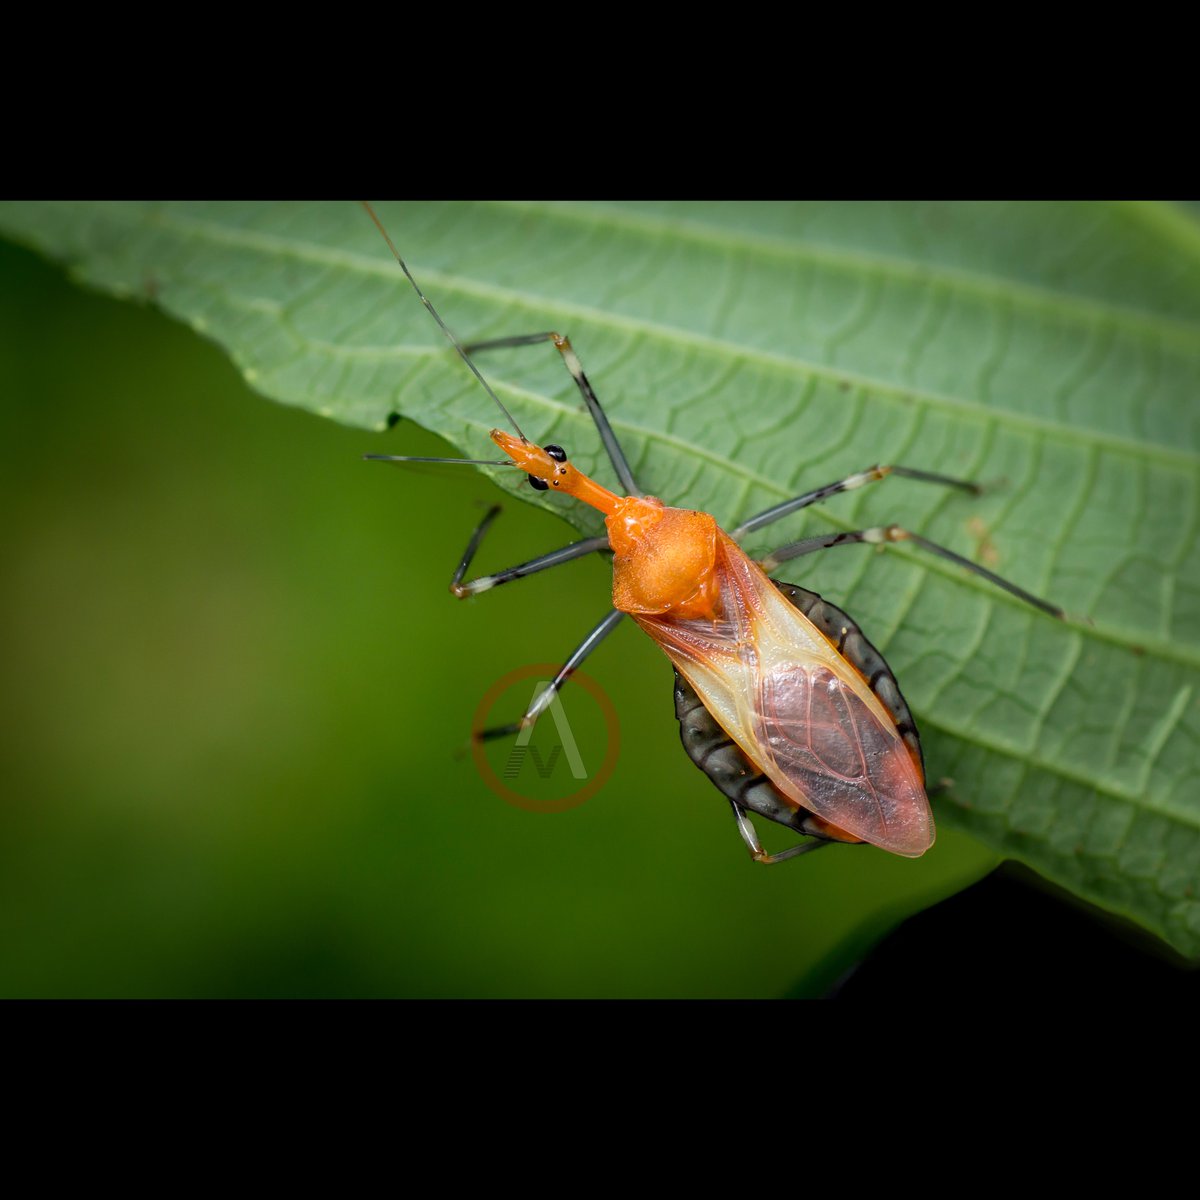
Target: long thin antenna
{"x": 433, "y": 312}
{"x": 462, "y": 462}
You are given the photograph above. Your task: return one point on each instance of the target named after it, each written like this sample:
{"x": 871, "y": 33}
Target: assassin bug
{"x": 781, "y": 699}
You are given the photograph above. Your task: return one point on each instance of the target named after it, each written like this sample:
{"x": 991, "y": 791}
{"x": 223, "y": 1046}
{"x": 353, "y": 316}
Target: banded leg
{"x": 894, "y": 533}
{"x": 563, "y": 345}
{"x": 481, "y": 584}
{"x": 870, "y": 475}
{"x": 750, "y": 837}
{"x": 539, "y": 706}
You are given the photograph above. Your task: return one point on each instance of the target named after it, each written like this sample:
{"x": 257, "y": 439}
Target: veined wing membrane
{"x": 816, "y": 732}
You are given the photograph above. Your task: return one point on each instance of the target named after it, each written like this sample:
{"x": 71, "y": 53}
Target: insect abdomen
{"x": 722, "y": 760}
{"x": 853, "y": 646}
{"x": 733, "y": 772}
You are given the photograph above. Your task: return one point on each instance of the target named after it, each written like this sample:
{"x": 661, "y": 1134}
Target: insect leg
{"x": 870, "y": 475}
{"x": 539, "y": 706}
{"x": 894, "y": 533}
{"x": 474, "y": 586}
{"x": 750, "y": 837}
{"x": 563, "y": 345}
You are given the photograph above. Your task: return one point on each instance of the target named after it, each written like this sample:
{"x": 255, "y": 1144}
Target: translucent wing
{"x": 812, "y": 728}
{"x": 799, "y": 710}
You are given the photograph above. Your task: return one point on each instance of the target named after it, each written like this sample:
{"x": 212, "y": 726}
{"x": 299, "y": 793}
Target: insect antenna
{"x": 461, "y": 462}
{"x": 433, "y": 312}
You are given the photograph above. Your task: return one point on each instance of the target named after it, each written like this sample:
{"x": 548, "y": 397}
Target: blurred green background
{"x": 236, "y": 693}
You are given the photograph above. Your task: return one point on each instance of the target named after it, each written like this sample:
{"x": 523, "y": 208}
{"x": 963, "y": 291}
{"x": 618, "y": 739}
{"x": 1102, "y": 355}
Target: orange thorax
{"x": 665, "y": 560}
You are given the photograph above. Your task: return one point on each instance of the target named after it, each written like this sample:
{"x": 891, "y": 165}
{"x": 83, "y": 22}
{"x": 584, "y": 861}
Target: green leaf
{"x": 747, "y": 352}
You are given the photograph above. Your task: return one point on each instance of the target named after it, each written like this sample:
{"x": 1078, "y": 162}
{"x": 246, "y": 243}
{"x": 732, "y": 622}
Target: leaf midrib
{"x": 316, "y": 252}
{"x": 991, "y": 287}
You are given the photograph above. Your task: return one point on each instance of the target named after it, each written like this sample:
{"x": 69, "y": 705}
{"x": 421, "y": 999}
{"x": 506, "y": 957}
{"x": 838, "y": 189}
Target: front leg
{"x": 481, "y": 584}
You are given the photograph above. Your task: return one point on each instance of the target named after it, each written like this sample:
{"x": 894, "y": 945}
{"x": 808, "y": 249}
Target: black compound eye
{"x": 556, "y": 452}
{"x": 538, "y": 485}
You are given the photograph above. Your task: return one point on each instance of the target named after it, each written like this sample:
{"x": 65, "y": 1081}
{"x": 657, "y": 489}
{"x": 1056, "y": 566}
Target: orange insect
{"x": 782, "y": 701}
